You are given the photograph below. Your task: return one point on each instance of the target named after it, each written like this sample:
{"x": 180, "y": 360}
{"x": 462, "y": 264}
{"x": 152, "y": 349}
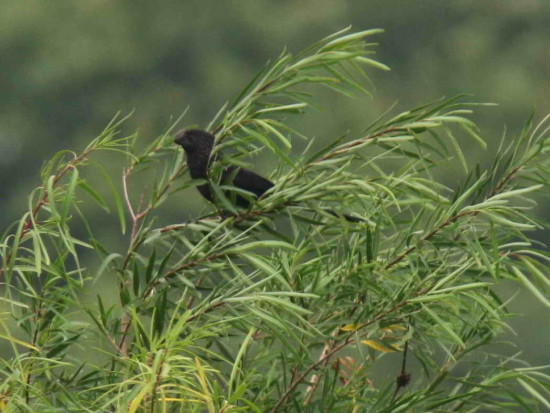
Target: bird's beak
{"x": 179, "y": 137}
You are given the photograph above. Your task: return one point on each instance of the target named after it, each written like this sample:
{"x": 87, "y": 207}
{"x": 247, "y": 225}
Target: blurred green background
{"x": 68, "y": 67}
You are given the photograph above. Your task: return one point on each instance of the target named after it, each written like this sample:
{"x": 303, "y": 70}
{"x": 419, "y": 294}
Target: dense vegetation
{"x": 281, "y": 307}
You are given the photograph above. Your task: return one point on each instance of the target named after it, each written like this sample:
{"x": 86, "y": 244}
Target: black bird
{"x": 198, "y": 145}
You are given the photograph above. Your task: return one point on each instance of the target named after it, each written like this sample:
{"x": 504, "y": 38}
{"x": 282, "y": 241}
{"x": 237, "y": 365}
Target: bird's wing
{"x": 249, "y": 181}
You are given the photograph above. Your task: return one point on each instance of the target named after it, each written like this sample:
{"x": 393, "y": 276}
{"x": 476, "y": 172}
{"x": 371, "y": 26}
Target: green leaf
{"x": 371, "y": 62}
{"x": 96, "y": 197}
{"x": 351, "y": 38}
{"x": 531, "y": 287}
{"x": 69, "y": 193}
{"x": 445, "y": 326}
{"x": 135, "y": 279}
{"x": 150, "y": 266}
{"x": 474, "y": 135}
{"x": 274, "y": 244}
{"x": 116, "y": 197}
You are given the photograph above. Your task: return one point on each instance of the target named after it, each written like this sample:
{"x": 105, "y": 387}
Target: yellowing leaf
{"x": 392, "y": 327}
{"x": 385, "y": 348}
{"x": 16, "y": 341}
{"x": 204, "y": 384}
{"x": 396, "y": 327}
{"x": 134, "y": 404}
{"x": 351, "y": 327}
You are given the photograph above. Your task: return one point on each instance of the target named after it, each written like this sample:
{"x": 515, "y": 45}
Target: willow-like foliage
{"x": 282, "y": 307}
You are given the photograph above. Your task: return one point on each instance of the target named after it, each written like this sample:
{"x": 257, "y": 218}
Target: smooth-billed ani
{"x": 198, "y": 145}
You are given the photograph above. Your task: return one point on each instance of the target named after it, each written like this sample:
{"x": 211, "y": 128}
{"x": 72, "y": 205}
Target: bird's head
{"x": 195, "y": 140}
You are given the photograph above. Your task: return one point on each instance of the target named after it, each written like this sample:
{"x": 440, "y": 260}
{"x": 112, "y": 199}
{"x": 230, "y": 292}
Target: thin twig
{"x": 403, "y": 378}
{"x": 136, "y": 218}
{"x": 29, "y": 221}
{"x": 315, "y": 378}
{"x": 38, "y": 317}
{"x": 182, "y": 267}
{"x": 158, "y": 377}
{"x": 448, "y": 222}
{"x": 126, "y": 321}
{"x": 337, "y": 347}
{"x": 126, "y": 196}
{"x": 455, "y": 217}
{"x": 358, "y": 142}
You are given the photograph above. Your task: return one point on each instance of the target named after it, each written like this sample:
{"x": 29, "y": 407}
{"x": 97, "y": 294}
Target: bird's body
{"x": 198, "y": 146}
{"x": 243, "y": 179}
